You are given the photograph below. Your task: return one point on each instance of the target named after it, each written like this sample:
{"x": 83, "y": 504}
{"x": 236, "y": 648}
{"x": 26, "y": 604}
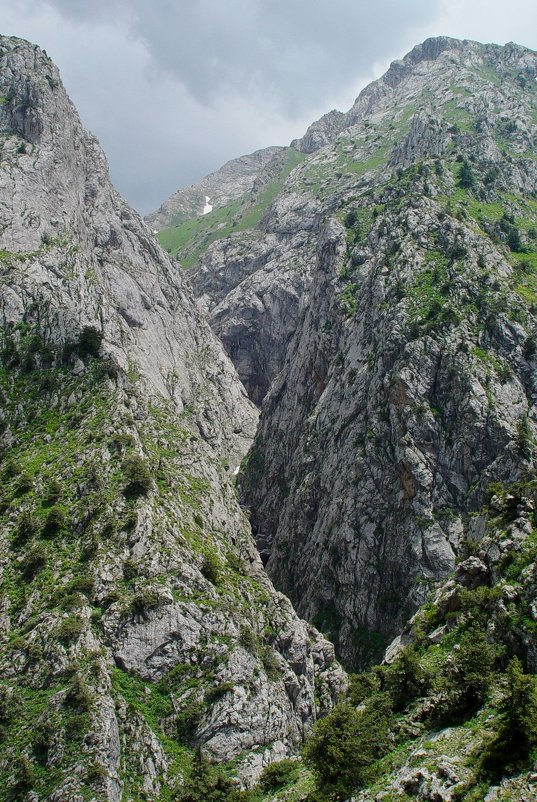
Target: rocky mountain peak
{"x": 429, "y": 50}
{"x": 436, "y": 56}
{"x": 29, "y": 107}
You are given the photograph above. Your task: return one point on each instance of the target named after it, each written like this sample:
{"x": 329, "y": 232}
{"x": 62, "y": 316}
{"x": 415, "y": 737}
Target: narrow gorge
{"x": 247, "y": 449}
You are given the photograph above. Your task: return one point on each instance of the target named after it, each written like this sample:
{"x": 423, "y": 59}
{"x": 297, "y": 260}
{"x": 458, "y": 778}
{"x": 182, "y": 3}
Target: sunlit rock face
{"x": 408, "y": 385}
{"x": 137, "y": 623}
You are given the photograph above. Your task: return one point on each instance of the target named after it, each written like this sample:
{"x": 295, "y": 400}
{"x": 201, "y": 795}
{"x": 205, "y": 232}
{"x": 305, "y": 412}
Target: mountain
{"x": 229, "y": 183}
{"x": 384, "y": 307}
{"x": 382, "y": 312}
{"x": 409, "y": 385}
{"x": 138, "y": 629}
{"x": 375, "y": 286}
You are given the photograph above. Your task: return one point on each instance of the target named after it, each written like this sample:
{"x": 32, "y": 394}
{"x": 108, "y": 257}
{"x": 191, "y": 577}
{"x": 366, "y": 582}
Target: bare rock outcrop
{"x": 137, "y": 622}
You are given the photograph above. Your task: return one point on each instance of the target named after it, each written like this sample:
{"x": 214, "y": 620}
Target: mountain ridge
{"x": 274, "y": 295}
{"x": 230, "y": 182}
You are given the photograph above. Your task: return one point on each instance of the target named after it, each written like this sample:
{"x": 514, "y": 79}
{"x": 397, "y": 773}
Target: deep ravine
{"x": 383, "y": 307}
{"x": 369, "y": 295}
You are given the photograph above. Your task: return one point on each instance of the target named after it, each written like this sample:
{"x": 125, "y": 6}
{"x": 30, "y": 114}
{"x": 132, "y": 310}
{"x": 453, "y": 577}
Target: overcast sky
{"x": 174, "y": 88}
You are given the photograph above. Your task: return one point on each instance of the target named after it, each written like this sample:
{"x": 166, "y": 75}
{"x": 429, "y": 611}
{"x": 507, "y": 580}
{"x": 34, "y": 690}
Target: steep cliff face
{"x": 451, "y": 714}
{"x": 74, "y": 254}
{"x": 409, "y": 385}
{"x": 136, "y": 621}
{"x": 254, "y": 288}
{"x": 251, "y": 281}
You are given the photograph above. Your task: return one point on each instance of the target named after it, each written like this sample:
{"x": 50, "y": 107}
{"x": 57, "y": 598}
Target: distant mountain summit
{"x": 235, "y": 179}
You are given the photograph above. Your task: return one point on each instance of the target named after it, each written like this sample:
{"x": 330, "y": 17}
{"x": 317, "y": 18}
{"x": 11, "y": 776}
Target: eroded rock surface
{"x": 136, "y": 621}
{"x": 409, "y": 384}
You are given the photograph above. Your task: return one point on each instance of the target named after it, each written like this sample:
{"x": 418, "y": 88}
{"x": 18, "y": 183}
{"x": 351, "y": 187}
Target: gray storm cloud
{"x": 174, "y": 88}
{"x": 294, "y": 52}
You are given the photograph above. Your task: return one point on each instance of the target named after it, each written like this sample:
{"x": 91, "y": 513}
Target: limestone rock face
{"x": 394, "y": 119}
{"x": 136, "y": 620}
{"x": 90, "y": 258}
{"x": 409, "y": 383}
{"x": 321, "y": 132}
{"x": 229, "y": 183}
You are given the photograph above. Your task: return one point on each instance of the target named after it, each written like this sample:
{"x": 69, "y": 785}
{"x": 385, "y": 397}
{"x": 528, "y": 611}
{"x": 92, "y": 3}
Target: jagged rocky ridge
{"x": 387, "y": 298}
{"x": 136, "y": 620}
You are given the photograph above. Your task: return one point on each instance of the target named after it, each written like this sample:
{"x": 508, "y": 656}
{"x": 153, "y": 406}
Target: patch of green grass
{"x": 515, "y": 562}
{"x": 403, "y": 123}
{"x": 146, "y": 698}
{"x": 489, "y": 74}
{"x": 502, "y": 369}
{"x": 522, "y": 260}
{"x": 453, "y": 113}
{"x": 425, "y": 294}
{"x": 460, "y": 90}
{"x": 528, "y": 293}
{"x": 202, "y": 230}
{"x": 373, "y": 162}
{"x": 252, "y": 216}
{"x": 491, "y": 212}
{"x": 525, "y": 283}
{"x": 153, "y": 702}
{"x": 348, "y": 299}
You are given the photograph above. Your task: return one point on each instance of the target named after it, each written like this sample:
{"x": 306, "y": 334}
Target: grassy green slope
{"x": 188, "y": 240}
{"x": 456, "y": 710}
